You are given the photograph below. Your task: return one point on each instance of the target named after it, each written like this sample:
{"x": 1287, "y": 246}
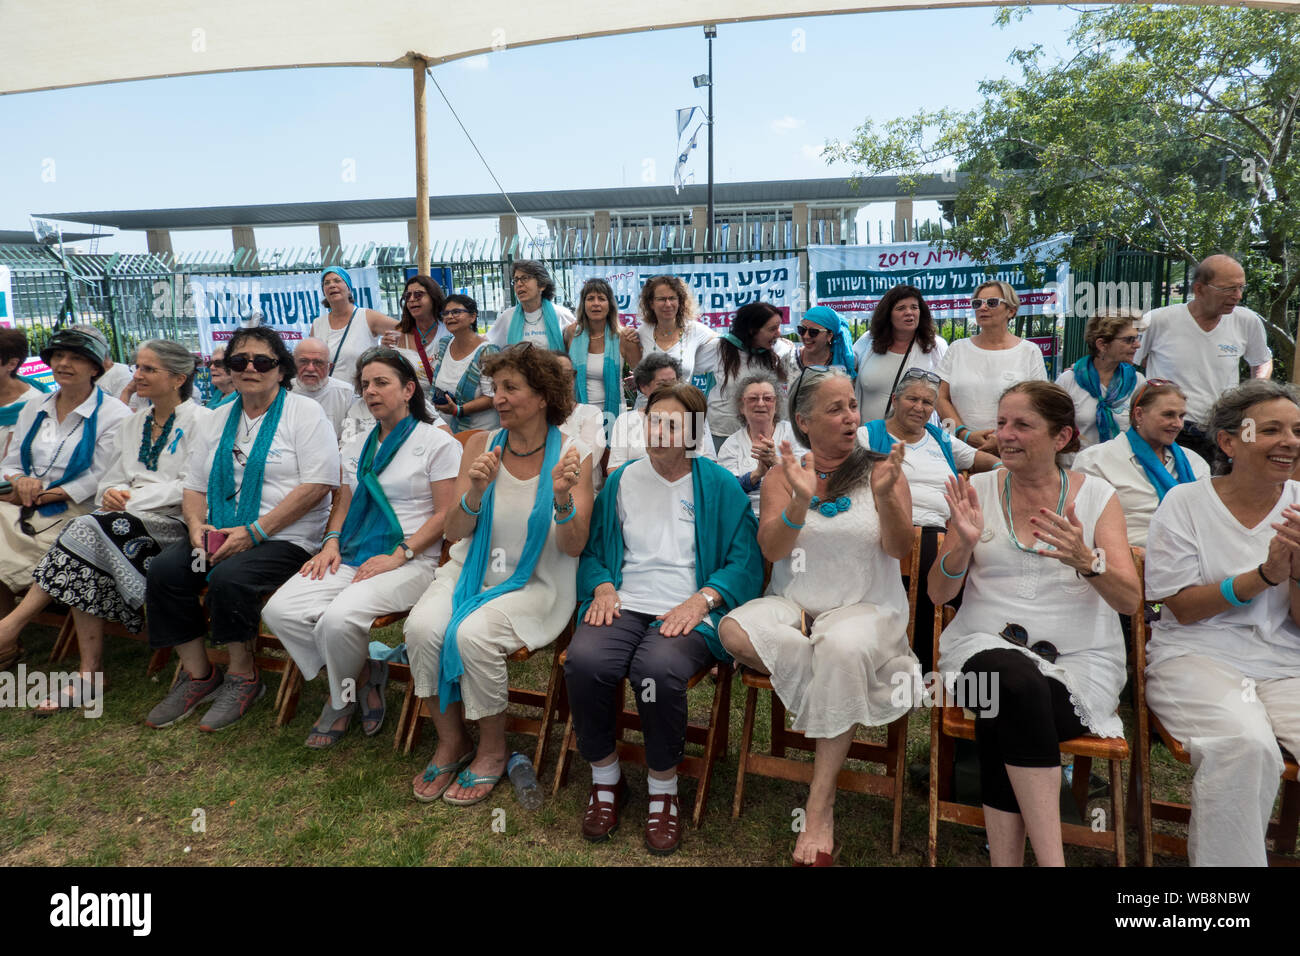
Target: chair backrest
{"x": 466, "y": 435}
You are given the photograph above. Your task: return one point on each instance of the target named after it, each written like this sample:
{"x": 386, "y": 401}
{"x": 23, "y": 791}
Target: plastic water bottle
{"x": 524, "y": 779}
{"x": 1068, "y": 771}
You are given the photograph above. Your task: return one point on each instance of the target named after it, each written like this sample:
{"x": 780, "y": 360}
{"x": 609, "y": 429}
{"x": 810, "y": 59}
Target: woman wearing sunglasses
{"x": 976, "y": 371}
{"x": 901, "y": 336}
{"x": 255, "y": 506}
{"x": 380, "y": 550}
{"x": 420, "y": 330}
{"x": 752, "y": 345}
{"x": 462, "y": 393}
{"x": 345, "y": 328}
{"x": 1145, "y": 462}
{"x": 1103, "y": 381}
{"x": 825, "y": 338}
{"x": 1047, "y": 571}
{"x": 62, "y": 445}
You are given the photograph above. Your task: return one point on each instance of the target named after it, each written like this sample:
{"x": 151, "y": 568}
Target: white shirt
{"x": 977, "y": 377}
{"x": 658, "y": 519}
{"x": 429, "y": 454}
{"x": 1115, "y": 461}
{"x": 586, "y": 423}
{"x": 55, "y": 441}
{"x": 1085, "y": 407}
{"x": 333, "y": 395}
{"x": 696, "y": 336}
{"x": 153, "y": 492}
{"x": 534, "y": 327}
{"x": 1194, "y": 539}
{"x": 873, "y": 399}
{"x": 927, "y": 474}
{"x": 737, "y": 454}
{"x": 723, "y": 417}
{"x": 627, "y": 440}
{"x": 115, "y": 379}
{"x": 1203, "y": 364}
{"x": 447, "y": 377}
{"x": 304, "y": 450}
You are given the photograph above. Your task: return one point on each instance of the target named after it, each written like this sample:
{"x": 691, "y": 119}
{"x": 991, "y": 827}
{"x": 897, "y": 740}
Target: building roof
{"x": 541, "y": 204}
{"x": 24, "y": 237}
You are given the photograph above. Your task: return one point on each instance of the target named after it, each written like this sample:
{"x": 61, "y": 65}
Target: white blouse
{"x": 153, "y": 492}
{"x": 54, "y": 442}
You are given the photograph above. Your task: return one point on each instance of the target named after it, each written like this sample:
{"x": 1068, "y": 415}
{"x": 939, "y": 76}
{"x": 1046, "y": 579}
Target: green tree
{"x": 1167, "y": 128}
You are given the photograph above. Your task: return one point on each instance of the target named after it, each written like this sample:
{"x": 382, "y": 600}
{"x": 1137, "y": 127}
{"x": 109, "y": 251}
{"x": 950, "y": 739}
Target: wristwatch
{"x": 710, "y": 601}
{"x": 407, "y": 552}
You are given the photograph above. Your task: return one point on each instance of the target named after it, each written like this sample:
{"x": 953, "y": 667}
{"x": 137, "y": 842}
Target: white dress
{"x": 1006, "y": 586}
{"x": 847, "y": 671}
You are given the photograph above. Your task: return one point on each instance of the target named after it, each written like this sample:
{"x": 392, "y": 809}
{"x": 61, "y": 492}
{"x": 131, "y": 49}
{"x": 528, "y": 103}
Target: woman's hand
{"x": 27, "y": 489}
{"x": 764, "y": 453}
{"x": 966, "y": 519}
{"x": 377, "y": 565}
{"x": 391, "y": 339}
{"x": 885, "y": 474}
{"x": 630, "y": 337}
{"x": 605, "y": 606}
{"x": 802, "y": 479}
{"x": 685, "y": 617}
{"x": 325, "y": 561}
{"x": 198, "y": 537}
{"x": 565, "y": 475}
{"x": 483, "y": 472}
{"x": 1065, "y": 535}
{"x": 237, "y": 540}
{"x": 447, "y": 408}
{"x": 1288, "y": 535}
{"x": 115, "y": 499}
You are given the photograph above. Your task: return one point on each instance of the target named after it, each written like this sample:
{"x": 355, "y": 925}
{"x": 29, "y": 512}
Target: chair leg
{"x": 157, "y": 661}
{"x": 67, "y": 636}
{"x": 413, "y": 725}
{"x": 898, "y": 744}
{"x": 404, "y": 715}
{"x": 1117, "y": 810}
{"x": 1082, "y": 773}
{"x": 719, "y": 720}
{"x": 1285, "y": 840}
{"x": 286, "y": 696}
{"x": 777, "y": 748}
{"x": 940, "y": 779}
{"x": 554, "y": 691}
{"x": 746, "y": 739}
{"x": 567, "y": 743}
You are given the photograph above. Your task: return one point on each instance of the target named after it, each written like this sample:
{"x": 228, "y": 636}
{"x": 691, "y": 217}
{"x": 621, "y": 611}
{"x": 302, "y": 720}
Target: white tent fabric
{"x": 48, "y": 44}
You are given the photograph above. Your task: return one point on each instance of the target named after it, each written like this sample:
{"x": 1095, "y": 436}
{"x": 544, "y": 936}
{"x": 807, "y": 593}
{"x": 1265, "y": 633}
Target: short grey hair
{"x": 175, "y": 358}
{"x": 1229, "y": 412}
{"x": 535, "y": 270}
{"x": 905, "y": 383}
{"x": 759, "y": 378}
{"x": 644, "y": 373}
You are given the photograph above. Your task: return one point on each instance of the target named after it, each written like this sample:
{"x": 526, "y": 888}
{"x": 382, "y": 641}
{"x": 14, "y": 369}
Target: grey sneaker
{"x": 236, "y": 696}
{"x": 183, "y": 699}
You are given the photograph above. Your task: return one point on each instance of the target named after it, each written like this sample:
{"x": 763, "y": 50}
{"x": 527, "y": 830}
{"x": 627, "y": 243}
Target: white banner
{"x": 720, "y": 288}
{"x": 290, "y": 303}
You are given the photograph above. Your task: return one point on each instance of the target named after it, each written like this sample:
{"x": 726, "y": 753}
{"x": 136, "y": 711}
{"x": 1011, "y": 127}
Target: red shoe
{"x": 663, "y": 828}
{"x": 600, "y": 819}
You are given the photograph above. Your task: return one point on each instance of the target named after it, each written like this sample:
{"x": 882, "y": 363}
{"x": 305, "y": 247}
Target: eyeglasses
{"x": 1017, "y": 635}
{"x": 992, "y": 303}
{"x": 1128, "y": 339}
{"x": 1136, "y": 401}
{"x": 452, "y": 313}
{"x": 920, "y": 374}
{"x": 305, "y": 362}
{"x": 665, "y": 300}
{"x": 218, "y": 365}
{"x": 518, "y": 279}
{"x": 414, "y": 295}
{"x": 260, "y": 363}
{"x": 1239, "y": 289}
{"x": 809, "y": 331}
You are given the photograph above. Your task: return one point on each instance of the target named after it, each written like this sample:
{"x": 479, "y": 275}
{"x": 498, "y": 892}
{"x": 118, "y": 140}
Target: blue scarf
{"x": 467, "y": 387}
{"x": 612, "y": 374}
{"x": 9, "y": 413}
{"x": 469, "y": 595}
{"x": 841, "y": 347}
{"x": 1157, "y": 473}
{"x": 217, "y": 400}
{"x": 879, "y": 440}
{"x": 1121, "y": 387}
{"x": 78, "y": 464}
{"x": 223, "y": 512}
{"x": 744, "y": 349}
{"x": 371, "y": 526}
{"x": 554, "y": 337}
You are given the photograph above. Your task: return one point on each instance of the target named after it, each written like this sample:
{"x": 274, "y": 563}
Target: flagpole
{"x": 710, "y": 31}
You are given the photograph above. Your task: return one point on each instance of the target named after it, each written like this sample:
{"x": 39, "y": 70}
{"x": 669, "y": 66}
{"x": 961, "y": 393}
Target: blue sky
{"x": 587, "y": 113}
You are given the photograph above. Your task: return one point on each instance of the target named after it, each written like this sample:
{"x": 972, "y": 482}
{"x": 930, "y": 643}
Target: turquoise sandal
{"x": 433, "y": 772}
{"x": 468, "y": 780}
{"x": 373, "y": 720}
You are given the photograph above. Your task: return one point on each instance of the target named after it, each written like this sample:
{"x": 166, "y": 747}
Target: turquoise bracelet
{"x": 465, "y": 508}
{"x": 944, "y": 571}
{"x": 257, "y": 526}
{"x": 252, "y": 533}
{"x": 1225, "y": 588}
{"x": 332, "y": 534}
{"x": 788, "y": 523}
{"x": 567, "y": 518}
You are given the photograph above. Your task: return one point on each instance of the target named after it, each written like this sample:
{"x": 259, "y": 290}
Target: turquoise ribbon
{"x": 1157, "y": 473}
{"x": 612, "y": 373}
{"x": 879, "y": 440}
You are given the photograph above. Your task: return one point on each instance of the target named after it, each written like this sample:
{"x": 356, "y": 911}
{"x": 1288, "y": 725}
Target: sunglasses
{"x": 992, "y": 303}
{"x": 1128, "y": 339}
{"x": 808, "y": 331}
{"x": 25, "y": 522}
{"x": 1017, "y": 635}
{"x": 1149, "y": 383}
{"x": 260, "y": 363}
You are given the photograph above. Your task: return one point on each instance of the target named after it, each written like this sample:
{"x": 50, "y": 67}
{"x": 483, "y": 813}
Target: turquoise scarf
{"x": 467, "y": 387}
{"x": 83, "y": 456}
{"x": 217, "y": 400}
{"x": 9, "y": 413}
{"x": 612, "y": 373}
{"x": 371, "y": 526}
{"x": 841, "y": 347}
{"x": 223, "y": 511}
{"x": 879, "y": 440}
{"x": 744, "y": 349}
{"x": 1121, "y": 387}
{"x": 554, "y": 337}
{"x": 469, "y": 595}
{"x": 727, "y": 558}
{"x": 1157, "y": 473}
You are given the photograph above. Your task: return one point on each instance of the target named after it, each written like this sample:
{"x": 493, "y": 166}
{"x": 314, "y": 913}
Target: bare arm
{"x": 1262, "y": 371}
{"x": 893, "y": 503}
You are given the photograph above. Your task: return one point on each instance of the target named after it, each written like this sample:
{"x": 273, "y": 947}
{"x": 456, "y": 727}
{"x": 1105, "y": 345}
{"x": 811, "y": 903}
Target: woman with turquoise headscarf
{"x": 825, "y": 338}
{"x": 345, "y": 328}
{"x": 525, "y": 495}
{"x": 598, "y": 332}
{"x": 380, "y": 550}
{"x": 1103, "y": 381}
{"x": 15, "y": 390}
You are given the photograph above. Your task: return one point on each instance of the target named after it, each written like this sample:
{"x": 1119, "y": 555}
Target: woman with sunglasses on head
{"x": 255, "y": 504}
{"x": 1103, "y": 381}
{"x": 751, "y": 451}
{"x": 668, "y": 313}
{"x": 600, "y": 348}
{"x": 61, "y": 446}
{"x": 752, "y": 345}
{"x": 1223, "y": 662}
{"x": 462, "y": 393}
{"x": 977, "y": 370}
{"x": 345, "y": 328}
{"x": 97, "y": 566}
{"x": 380, "y": 551}
{"x": 1144, "y": 462}
{"x": 421, "y": 329}
{"x": 832, "y": 629}
{"x": 901, "y": 336}
{"x": 1047, "y": 572}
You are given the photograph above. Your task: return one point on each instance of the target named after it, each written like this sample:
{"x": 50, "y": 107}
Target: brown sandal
{"x": 663, "y": 828}
{"x": 15, "y": 654}
{"x": 600, "y": 819}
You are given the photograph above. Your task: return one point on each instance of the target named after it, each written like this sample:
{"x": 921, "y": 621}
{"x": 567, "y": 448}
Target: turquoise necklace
{"x": 1006, "y": 508}
{"x": 149, "y": 451}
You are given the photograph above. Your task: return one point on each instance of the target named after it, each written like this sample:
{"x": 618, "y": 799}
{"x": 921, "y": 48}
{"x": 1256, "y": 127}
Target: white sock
{"x": 662, "y": 788}
{"x": 608, "y": 777}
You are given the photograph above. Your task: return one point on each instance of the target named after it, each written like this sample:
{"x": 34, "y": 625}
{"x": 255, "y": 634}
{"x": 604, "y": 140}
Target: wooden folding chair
{"x": 950, "y": 722}
{"x": 67, "y": 641}
{"x": 892, "y": 754}
{"x": 1150, "y": 732}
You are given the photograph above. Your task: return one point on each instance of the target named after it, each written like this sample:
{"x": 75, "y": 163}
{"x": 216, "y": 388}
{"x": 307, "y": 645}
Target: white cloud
{"x": 813, "y": 152}
{"x": 785, "y": 124}
{"x": 479, "y": 62}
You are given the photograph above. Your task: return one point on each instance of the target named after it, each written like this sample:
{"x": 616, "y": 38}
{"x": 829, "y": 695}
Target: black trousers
{"x": 1033, "y": 715}
{"x": 923, "y": 635}
{"x": 235, "y": 590}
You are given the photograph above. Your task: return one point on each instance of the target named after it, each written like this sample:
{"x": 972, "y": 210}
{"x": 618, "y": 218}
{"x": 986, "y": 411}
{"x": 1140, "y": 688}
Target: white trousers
{"x": 326, "y": 623}
{"x": 1230, "y": 726}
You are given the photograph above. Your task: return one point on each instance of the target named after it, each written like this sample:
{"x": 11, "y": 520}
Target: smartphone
{"x": 213, "y": 540}
{"x": 440, "y": 397}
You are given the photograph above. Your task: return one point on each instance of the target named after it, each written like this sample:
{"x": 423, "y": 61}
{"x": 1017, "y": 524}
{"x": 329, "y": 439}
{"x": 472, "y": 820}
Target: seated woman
{"x": 1223, "y": 663}
{"x": 1144, "y": 462}
{"x": 627, "y": 437}
{"x": 930, "y": 457}
{"x": 380, "y": 551}
{"x": 750, "y": 452}
{"x": 1047, "y": 568}
{"x": 1103, "y": 381}
{"x": 62, "y": 445}
{"x": 672, "y": 549}
{"x": 255, "y": 506}
{"x": 97, "y": 566}
{"x": 525, "y": 501}
{"x": 835, "y": 644}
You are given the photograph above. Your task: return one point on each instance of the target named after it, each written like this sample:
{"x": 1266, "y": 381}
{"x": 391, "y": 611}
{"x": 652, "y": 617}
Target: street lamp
{"x": 710, "y": 31}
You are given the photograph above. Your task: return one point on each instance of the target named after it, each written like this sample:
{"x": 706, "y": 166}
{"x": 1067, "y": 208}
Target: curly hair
{"x": 271, "y": 339}
{"x": 406, "y": 324}
{"x": 543, "y": 373}
{"x": 685, "y": 301}
{"x": 882, "y": 326}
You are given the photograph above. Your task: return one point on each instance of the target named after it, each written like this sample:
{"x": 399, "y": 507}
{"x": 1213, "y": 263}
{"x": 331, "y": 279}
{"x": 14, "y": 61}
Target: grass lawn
{"x": 113, "y": 792}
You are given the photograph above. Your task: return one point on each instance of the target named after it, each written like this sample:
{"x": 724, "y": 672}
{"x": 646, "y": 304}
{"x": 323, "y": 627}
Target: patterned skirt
{"x": 99, "y": 562}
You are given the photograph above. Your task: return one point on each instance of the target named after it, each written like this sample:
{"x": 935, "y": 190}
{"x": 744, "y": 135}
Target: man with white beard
{"x": 311, "y": 359}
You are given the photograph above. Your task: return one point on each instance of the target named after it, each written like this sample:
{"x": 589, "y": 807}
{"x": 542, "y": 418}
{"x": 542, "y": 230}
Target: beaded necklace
{"x": 149, "y": 451}
{"x": 1006, "y": 509}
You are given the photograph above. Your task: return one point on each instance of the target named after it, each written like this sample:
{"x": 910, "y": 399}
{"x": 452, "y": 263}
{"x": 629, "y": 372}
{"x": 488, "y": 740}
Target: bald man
{"x": 1200, "y": 344}
{"x": 311, "y": 359}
